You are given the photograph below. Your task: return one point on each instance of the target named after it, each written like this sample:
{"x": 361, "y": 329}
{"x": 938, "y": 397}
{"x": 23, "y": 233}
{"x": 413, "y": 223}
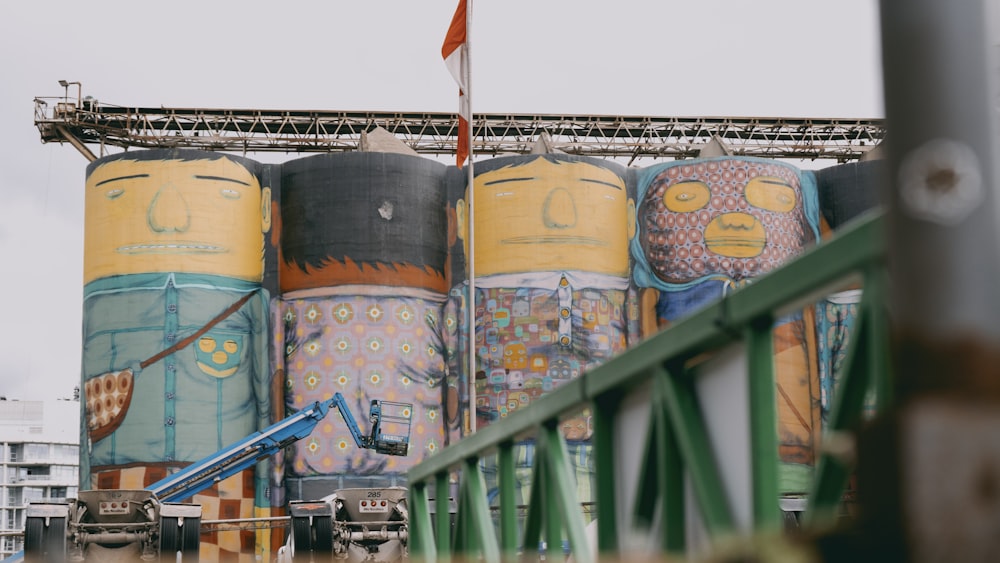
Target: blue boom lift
{"x": 260, "y": 445}
{"x": 155, "y": 523}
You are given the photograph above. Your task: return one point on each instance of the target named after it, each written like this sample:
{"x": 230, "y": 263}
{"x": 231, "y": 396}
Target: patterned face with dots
{"x": 728, "y": 218}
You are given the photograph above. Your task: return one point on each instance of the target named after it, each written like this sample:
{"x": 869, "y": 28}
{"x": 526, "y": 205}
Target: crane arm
{"x": 241, "y": 455}
{"x": 260, "y": 445}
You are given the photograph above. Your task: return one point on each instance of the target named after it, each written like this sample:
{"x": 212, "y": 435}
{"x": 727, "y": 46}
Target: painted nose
{"x": 737, "y": 221}
{"x": 559, "y": 211}
{"x": 169, "y": 212}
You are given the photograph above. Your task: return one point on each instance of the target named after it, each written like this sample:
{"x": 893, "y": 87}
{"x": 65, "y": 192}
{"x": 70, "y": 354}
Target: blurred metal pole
{"x": 929, "y": 469}
{"x": 943, "y": 209}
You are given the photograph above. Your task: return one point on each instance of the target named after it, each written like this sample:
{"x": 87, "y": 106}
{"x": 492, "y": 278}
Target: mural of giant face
{"x": 196, "y": 212}
{"x": 363, "y": 279}
{"x": 713, "y": 224}
{"x": 546, "y": 214}
{"x": 173, "y": 238}
{"x": 723, "y": 218}
{"x": 551, "y": 268}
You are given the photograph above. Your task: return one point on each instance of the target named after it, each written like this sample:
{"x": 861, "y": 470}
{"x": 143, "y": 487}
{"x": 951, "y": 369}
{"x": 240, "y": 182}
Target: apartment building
{"x": 39, "y": 459}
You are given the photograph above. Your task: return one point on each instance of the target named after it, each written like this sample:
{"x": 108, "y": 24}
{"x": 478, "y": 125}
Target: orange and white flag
{"x": 456, "y": 57}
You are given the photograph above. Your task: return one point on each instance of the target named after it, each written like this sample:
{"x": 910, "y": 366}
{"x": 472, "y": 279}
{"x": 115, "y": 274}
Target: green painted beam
{"x": 508, "y": 500}
{"x": 480, "y": 522}
{"x": 605, "y": 410}
{"x": 533, "y": 521}
{"x": 879, "y": 349}
{"x": 865, "y": 368}
{"x": 421, "y": 529}
{"x": 559, "y": 474}
{"x": 552, "y": 512}
{"x": 462, "y": 543}
{"x": 442, "y": 509}
{"x": 763, "y": 424}
{"x": 686, "y": 418}
{"x": 648, "y": 488}
{"x": 695, "y": 334}
{"x": 812, "y": 275}
{"x": 567, "y": 399}
{"x": 671, "y": 481}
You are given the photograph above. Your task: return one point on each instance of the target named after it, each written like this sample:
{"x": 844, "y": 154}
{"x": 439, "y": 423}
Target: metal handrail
{"x": 856, "y": 254}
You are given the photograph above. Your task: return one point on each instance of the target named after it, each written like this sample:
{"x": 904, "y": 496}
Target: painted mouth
{"x": 171, "y": 248}
{"x": 554, "y": 239}
{"x": 736, "y": 247}
{"x": 736, "y": 241}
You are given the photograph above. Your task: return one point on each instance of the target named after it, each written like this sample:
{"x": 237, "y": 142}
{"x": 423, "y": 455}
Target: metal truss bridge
{"x": 84, "y": 121}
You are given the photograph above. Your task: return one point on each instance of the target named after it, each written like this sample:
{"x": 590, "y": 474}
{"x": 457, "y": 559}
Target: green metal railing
{"x": 677, "y": 444}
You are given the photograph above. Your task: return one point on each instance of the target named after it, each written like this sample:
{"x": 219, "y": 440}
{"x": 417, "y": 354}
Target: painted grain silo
{"x": 710, "y": 225}
{"x": 363, "y": 279}
{"x": 846, "y": 191}
{"x": 175, "y": 349}
{"x": 551, "y": 276}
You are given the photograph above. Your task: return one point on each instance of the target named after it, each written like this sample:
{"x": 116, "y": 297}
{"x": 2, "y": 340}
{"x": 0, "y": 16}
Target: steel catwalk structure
{"x": 84, "y": 121}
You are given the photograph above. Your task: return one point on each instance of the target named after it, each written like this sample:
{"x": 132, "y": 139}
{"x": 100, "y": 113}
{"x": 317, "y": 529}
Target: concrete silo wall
{"x": 363, "y": 276}
{"x": 367, "y": 259}
{"x": 709, "y": 226}
{"x": 846, "y": 191}
{"x": 551, "y": 264}
{"x": 172, "y": 239}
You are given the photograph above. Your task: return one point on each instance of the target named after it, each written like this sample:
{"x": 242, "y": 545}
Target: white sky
{"x": 767, "y": 58}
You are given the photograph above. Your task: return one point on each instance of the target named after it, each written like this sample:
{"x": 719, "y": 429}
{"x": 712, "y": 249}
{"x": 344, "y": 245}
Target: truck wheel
{"x": 45, "y": 544}
{"x": 34, "y": 540}
{"x": 323, "y": 534}
{"x": 315, "y": 537}
{"x": 190, "y": 539}
{"x": 170, "y": 538}
{"x": 176, "y": 537}
{"x": 301, "y": 535}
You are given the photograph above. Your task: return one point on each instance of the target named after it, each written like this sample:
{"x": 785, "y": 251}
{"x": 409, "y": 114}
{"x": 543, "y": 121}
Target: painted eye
{"x": 114, "y": 193}
{"x": 686, "y": 197}
{"x": 229, "y": 194}
{"x": 770, "y": 193}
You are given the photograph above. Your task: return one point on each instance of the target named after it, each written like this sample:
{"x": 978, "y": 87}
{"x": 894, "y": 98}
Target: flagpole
{"x": 472, "y": 224}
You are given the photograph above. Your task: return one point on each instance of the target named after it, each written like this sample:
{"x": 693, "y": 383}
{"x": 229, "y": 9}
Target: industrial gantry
{"x": 82, "y": 121}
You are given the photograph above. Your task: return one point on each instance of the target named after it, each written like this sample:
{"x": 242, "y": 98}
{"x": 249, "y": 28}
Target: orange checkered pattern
{"x": 230, "y": 499}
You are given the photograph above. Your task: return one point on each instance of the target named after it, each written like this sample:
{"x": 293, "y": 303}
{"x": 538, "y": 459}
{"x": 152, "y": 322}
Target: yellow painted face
{"x": 198, "y": 216}
{"x": 545, "y": 216}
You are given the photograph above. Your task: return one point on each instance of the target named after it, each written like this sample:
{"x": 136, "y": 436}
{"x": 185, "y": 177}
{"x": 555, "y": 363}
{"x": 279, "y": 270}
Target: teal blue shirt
{"x": 195, "y": 401}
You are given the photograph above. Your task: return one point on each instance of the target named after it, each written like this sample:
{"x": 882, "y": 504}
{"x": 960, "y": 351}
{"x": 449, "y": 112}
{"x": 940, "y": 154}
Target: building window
{"x": 68, "y": 453}
{"x": 15, "y": 519}
{"x": 64, "y": 473}
{"x": 36, "y": 452}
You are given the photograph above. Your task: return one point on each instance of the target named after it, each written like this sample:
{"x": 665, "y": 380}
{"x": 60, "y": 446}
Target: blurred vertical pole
{"x": 928, "y": 474}
{"x": 944, "y": 253}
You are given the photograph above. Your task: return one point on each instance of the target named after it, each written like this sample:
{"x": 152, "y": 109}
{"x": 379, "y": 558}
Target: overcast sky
{"x": 766, "y": 58}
